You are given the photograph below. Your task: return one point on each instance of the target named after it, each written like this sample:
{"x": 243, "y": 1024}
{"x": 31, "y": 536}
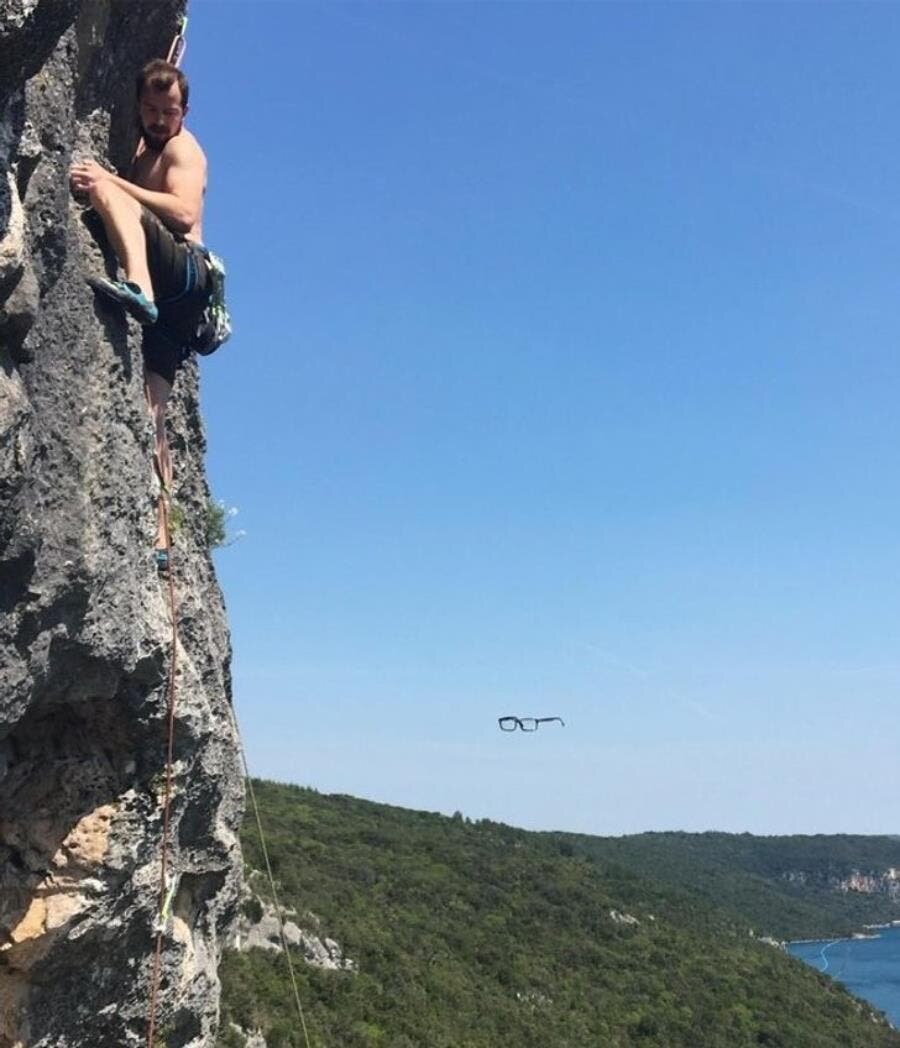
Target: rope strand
{"x": 265, "y": 851}
{"x": 164, "y": 887}
{"x": 167, "y": 800}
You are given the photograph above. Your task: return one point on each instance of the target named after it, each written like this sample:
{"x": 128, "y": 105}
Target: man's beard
{"x": 157, "y": 142}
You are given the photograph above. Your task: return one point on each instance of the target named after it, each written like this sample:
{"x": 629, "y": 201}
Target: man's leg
{"x": 121, "y": 216}
{"x": 157, "y": 391}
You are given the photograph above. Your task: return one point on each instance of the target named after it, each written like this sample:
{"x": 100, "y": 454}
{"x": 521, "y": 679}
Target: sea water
{"x": 869, "y": 968}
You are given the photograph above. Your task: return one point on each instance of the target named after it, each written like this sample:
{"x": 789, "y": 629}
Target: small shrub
{"x": 176, "y": 518}
{"x": 253, "y": 909}
{"x": 215, "y": 524}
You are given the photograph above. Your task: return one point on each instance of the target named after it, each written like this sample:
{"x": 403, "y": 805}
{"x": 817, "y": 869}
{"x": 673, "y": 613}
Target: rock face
{"x": 886, "y": 882}
{"x": 864, "y": 882}
{"x": 85, "y": 627}
{"x": 262, "y": 931}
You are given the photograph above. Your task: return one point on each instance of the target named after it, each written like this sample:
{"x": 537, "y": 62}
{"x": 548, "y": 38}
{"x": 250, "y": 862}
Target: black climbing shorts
{"x": 181, "y": 289}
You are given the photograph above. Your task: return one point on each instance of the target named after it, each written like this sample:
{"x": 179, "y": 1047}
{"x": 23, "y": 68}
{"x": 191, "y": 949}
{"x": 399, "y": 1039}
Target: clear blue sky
{"x": 565, "y": 381}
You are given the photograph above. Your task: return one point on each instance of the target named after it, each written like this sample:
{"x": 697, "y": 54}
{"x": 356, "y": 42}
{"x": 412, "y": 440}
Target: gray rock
{"x": 253, "y": 1039}
{"x": 264, "y": 933}
{"x": 12, "y": 243}
{"x": 623, "y": 918}
{"x": 85, "y": 630}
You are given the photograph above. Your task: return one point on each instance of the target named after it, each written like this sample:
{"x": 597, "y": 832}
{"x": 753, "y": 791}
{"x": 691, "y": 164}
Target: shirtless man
{"x": 153, "y": 222}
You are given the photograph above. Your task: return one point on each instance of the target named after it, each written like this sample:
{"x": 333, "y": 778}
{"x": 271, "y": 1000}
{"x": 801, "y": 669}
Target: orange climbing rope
{"x": 165, "y": 891}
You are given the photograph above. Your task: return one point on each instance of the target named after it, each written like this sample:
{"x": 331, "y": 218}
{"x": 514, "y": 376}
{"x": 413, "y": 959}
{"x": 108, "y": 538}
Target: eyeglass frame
{"x": 520, "y": 722}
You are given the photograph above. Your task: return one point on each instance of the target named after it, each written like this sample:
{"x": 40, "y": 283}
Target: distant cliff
{"x": 786, "y": 887}
{"x": 85, "y": 629}
{"x": 865, "y": 882}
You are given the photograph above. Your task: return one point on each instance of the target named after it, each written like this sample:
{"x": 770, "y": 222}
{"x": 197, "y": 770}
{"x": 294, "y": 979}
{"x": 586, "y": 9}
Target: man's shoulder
{"x": 184, "y": 149}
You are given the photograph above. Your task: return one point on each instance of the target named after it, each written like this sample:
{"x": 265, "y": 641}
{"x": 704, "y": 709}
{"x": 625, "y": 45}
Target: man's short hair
{"x": 159, "y": 75}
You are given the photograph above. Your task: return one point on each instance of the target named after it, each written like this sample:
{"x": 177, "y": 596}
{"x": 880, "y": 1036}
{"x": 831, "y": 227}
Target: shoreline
{"x": 867, "y": 933}
{"x": 859, "y": 988}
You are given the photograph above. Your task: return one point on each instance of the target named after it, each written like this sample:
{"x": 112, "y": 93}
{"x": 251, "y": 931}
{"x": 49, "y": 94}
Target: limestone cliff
{"x": 863, "y": 882}
{"x": 85, "y": 631}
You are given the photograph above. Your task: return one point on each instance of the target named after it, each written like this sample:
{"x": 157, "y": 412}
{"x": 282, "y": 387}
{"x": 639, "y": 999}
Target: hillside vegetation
{"x": 477, "y": 935}
{"x": 784, "y": 887}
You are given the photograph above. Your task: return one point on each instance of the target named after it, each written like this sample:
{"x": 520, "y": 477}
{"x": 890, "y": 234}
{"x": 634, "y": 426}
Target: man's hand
{"x": 86, "y": 174}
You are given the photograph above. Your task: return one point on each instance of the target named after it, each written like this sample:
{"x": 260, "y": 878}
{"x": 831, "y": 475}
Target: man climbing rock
{"x": 153, "y": 221}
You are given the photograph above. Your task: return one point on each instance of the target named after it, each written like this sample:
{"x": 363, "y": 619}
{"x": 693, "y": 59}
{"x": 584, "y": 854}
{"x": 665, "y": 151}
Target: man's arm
{"x": 179, "y": 206}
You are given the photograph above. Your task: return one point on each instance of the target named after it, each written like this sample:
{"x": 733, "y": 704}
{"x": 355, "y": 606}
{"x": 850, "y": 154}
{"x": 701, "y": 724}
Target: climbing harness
{"x": 214, "y": 325}
{"x": 176, "y": 51}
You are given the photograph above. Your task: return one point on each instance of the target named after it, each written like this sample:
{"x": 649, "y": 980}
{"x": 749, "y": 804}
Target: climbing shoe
{"x": 128, "y": 295}
{"x": 161, "y": 556}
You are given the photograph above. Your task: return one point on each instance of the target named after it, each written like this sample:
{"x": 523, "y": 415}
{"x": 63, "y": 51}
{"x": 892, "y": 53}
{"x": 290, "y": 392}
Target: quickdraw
{"x": 161, "y": 924}
{"x": 176, "y": 51}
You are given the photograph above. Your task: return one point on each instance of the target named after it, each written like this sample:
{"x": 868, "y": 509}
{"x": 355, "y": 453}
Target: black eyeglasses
{"x": 525, "y": 723}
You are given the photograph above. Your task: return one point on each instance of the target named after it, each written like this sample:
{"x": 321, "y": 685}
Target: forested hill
{"x": 477, "y": 935}
{"x": 785, "y": 887}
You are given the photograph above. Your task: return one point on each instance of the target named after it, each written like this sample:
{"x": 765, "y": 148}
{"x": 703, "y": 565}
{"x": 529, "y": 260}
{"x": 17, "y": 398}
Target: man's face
{"x": 161, "y": 115}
